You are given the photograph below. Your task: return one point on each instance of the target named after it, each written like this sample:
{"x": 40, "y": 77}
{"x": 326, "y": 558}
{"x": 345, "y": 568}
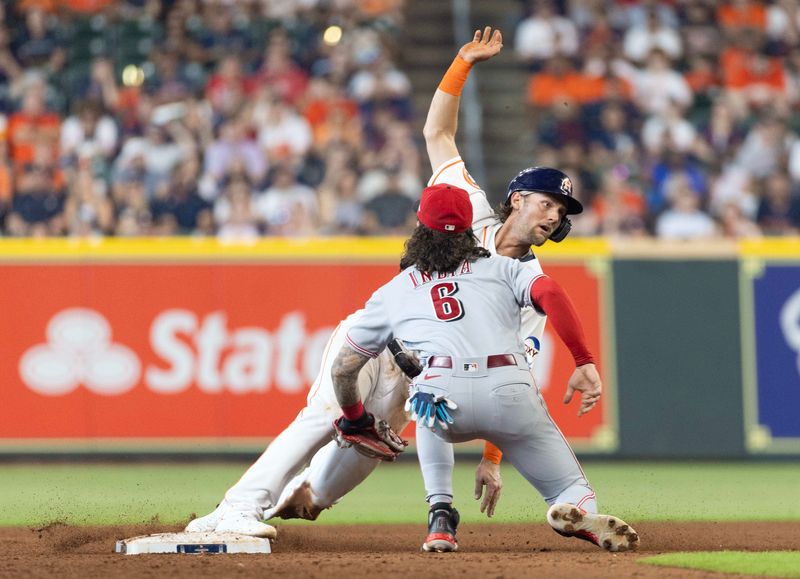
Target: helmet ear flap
{"x": 561, "y": 232}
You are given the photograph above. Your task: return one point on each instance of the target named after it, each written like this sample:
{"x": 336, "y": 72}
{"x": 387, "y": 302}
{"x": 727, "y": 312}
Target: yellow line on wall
{"x": 171, "y": 248}
{"x": 771, "y": 248}
{"x": 282, "y": 249}
{"x": 361, "y": 248}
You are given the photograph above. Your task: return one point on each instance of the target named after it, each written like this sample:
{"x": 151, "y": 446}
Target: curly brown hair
{"x": 433, "y": 251}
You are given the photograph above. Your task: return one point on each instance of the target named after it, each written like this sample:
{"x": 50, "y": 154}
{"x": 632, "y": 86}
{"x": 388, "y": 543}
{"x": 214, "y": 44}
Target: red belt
{"x": 493, "y": 361}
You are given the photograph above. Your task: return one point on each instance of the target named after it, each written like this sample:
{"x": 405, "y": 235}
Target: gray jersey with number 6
{"x": 473, "y": 311}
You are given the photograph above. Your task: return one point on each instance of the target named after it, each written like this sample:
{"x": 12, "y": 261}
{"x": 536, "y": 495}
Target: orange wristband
{"x": 492, "y": 453}
{"x": 455, "y": 77}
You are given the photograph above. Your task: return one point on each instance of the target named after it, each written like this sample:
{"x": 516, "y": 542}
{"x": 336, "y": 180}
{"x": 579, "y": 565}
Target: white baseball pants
{"x": 333, "y": 471}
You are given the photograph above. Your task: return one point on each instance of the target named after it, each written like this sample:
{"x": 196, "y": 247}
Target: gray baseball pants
{"x": 504, "y": 406}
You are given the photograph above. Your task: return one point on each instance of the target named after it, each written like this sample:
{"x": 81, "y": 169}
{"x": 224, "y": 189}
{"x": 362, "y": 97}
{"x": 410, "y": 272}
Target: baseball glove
{"x": 371, "y": 437}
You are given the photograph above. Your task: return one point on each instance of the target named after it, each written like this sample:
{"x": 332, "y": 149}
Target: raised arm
{"x": 442, "y": 121}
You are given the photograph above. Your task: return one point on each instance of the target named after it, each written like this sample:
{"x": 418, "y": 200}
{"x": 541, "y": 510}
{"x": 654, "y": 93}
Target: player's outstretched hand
{"x": 586, "y": 380}
{"x": 488, "y": 475}
{"x": 484, "y": 45}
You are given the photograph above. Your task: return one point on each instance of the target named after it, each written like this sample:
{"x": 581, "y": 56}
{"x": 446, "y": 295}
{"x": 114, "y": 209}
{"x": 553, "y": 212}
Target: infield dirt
{"x": 486, "y": 551}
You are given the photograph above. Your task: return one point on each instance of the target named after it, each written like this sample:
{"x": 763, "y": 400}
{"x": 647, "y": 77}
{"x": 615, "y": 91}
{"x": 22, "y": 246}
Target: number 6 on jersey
{"x": 448, "y": 308}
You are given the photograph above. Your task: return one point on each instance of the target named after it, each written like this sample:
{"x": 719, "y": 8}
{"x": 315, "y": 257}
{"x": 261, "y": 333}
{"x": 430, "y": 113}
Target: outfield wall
{"x": 190, "y": 345}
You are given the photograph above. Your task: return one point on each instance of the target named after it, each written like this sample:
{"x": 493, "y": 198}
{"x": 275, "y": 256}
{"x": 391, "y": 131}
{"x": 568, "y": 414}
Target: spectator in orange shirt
{"x": 559, "y": 81}
{"x": 701, "y": 75}
{"x": 331, "y": 114}
{"x": 751, "y": 75}
{"x": 33, "y": 126}
{"x": 86, "y": 6}
{"x": 375, "y": 8}
{"x": 48, "y": 6}
{"x": 742, "y": 14}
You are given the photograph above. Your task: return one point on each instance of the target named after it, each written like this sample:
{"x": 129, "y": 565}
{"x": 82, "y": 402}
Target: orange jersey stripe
{"x": 443, "y": 169}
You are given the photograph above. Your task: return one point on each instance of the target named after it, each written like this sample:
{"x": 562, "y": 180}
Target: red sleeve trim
{"x": 359, "y": 349}
{"x": 550, "y": 298}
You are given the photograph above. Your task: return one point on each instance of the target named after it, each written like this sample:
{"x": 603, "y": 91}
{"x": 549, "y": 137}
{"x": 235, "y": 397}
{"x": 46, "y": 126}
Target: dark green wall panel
{"x": 678, "y": 358}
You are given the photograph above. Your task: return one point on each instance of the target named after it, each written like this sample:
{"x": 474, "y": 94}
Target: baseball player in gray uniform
{"x": 277, "y": 484}
{"x": 459, "y": 307}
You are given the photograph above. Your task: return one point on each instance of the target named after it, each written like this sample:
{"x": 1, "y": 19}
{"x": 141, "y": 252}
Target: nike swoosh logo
{"x": 429, "y": 376}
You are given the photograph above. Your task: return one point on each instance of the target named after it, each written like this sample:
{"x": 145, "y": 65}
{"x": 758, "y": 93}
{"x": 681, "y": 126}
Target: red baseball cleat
{"x": 442, "y": 523}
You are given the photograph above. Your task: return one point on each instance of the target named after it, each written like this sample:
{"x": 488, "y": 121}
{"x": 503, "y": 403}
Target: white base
{"x": 193, "y": 544}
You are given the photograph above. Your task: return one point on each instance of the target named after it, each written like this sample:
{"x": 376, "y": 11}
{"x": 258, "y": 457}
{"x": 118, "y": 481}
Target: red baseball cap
{"x": 445, "y": 208}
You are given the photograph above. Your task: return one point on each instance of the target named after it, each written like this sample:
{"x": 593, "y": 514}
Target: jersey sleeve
{"x": 454, "y": 172}
{"x": 371, "y": 330}
{"x": 521, "y": 279}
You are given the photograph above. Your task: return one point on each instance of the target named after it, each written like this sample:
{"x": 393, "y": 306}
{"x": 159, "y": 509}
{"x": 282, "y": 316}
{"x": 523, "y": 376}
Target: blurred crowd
{"x": 204, "y": 117}
{"x": 676, "y": 118}
{"x": 243, "y": 118}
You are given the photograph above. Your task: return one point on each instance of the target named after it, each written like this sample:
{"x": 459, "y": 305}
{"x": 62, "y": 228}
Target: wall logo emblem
{"x": 790, "y": 324}
{"x": 79, "y": 351}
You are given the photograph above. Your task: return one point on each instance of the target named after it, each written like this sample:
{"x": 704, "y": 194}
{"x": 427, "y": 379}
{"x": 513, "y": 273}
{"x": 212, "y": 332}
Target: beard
{"x": 537, "y": 237}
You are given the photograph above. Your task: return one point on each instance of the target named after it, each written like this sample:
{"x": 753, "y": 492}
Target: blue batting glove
{"x": 427, "y": 409}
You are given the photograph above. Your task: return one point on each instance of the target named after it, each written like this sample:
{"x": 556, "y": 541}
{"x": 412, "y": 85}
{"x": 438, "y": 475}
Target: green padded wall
{"x": 678, "y": 358}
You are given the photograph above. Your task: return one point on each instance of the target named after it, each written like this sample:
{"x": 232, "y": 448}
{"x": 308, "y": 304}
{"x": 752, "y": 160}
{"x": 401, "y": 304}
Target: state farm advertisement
{"x": 208, "y": 351}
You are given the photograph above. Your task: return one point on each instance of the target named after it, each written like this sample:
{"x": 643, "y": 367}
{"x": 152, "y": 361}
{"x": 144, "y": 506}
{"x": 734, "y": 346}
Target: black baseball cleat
{"x": 442, "y": 523}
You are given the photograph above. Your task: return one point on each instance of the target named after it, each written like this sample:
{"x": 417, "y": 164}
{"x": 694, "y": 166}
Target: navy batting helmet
{"x": 552, "y": 182}
{"x": 546, "y": 180}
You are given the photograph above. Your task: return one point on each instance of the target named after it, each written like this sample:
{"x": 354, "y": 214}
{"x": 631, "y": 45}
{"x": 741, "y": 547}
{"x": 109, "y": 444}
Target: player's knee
{"x": 321, "y": 499}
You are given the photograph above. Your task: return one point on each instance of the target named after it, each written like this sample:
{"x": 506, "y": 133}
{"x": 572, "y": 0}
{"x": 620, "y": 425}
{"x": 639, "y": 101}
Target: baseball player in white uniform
{"x": 272, "y": 486}
{"x": 459, "y": 306}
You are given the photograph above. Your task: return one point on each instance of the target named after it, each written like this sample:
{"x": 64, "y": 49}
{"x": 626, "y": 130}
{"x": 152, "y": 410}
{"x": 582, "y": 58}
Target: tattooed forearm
{"x": 344, "y": 372}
